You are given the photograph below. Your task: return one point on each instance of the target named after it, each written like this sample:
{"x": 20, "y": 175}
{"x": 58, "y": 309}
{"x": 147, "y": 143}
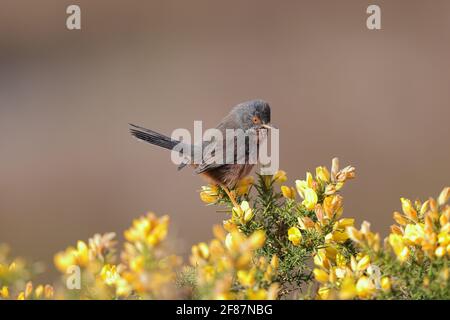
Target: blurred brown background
{"x": 379, "y": 100}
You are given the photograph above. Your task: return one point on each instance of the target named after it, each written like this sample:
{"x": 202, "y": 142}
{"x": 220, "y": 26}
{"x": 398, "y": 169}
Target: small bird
{"x": 251, "y": 117}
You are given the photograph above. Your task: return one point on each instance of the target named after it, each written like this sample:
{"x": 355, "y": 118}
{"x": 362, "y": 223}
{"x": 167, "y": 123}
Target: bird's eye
{"x": 256, "y": 120}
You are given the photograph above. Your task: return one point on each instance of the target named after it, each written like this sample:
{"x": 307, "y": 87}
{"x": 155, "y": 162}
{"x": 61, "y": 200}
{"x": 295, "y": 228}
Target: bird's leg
{"x": 230, "y": 195}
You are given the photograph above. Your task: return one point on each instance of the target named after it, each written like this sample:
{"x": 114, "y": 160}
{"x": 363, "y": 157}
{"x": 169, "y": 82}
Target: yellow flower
{"x": 244, "y": 214}
{"x": 259, "y": 294}
{"x": 280, "y": 176}
{"x": 341, "y": 261}
{"x": 109, "y": 274}
{"x": 345, "y": 174}
{"x": 4, "y": 292}
{"x": 150, "y": 230}
{"x": 65, "y": 259}
{"x": 137, "y": 264}
{"x": 344, "y": 223}
{"x": 365, "y": 288}
{"x": 310, "y": 198}
{"x": 444, "y": 238}
{"x": 415, "y": 233}
{"x": 21, "y": 296}
{"x": 408, "y": 209}
{"x": 321, "y": 275}
{"x": 321, "y": 260}
{"x": 203, "y": 250}
{"x": 229, "y": 242}
{"x": 404, "y": 254}
{"x": 363, "y": 263}
{"x": 337, "y": 236}
{"x": 288, "y": 192}
{"x": 386, "y": 284}
{"x": 302, "y": 185}
{"x": 400, "y": 250}
{"x": 209, "y": 194}
{"x": 246, "y": 278}
{"x": 295, "y": 236}
{"x": 322, "y": 174}
{"x": 354, "y": 234}
{"x": 82, "y": 254}
{"x": 332, "y": 206}
{"x": 348, "y": 289}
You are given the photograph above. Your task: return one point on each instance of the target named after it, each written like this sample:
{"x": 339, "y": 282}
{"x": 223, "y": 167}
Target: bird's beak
{"x": 269, "y": 126}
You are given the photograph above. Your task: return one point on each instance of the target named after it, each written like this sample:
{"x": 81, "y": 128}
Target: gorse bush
{"x": 282, "y": 242}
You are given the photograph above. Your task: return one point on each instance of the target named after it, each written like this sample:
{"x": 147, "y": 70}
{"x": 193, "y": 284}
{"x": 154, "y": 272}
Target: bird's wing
{"x": 241, "y": 153}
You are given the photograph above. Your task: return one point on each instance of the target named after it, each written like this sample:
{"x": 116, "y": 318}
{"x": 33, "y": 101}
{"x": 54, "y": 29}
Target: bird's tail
{"x": 153, "y": 137}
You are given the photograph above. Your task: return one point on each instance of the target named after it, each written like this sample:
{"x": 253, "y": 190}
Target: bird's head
{"x": 254, "y": 114}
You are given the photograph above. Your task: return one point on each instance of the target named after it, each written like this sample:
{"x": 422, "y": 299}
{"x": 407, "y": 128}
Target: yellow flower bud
{"x": 48, "y": 291}
{"x": 288, "y": 192}
{"x": 28, "y": 289}
{"x": 82, "y": 254}
{"x": 280, "y": 176}
{"x": 396, "y": 229}
{"x": 229, "y": 243}
{"x": 39, "y": 291}
{"x": 203, "y": 250}
{"x": 444, "y": 196}
{"x": 399, "y": 218}
{"x": 424, "y": 208}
